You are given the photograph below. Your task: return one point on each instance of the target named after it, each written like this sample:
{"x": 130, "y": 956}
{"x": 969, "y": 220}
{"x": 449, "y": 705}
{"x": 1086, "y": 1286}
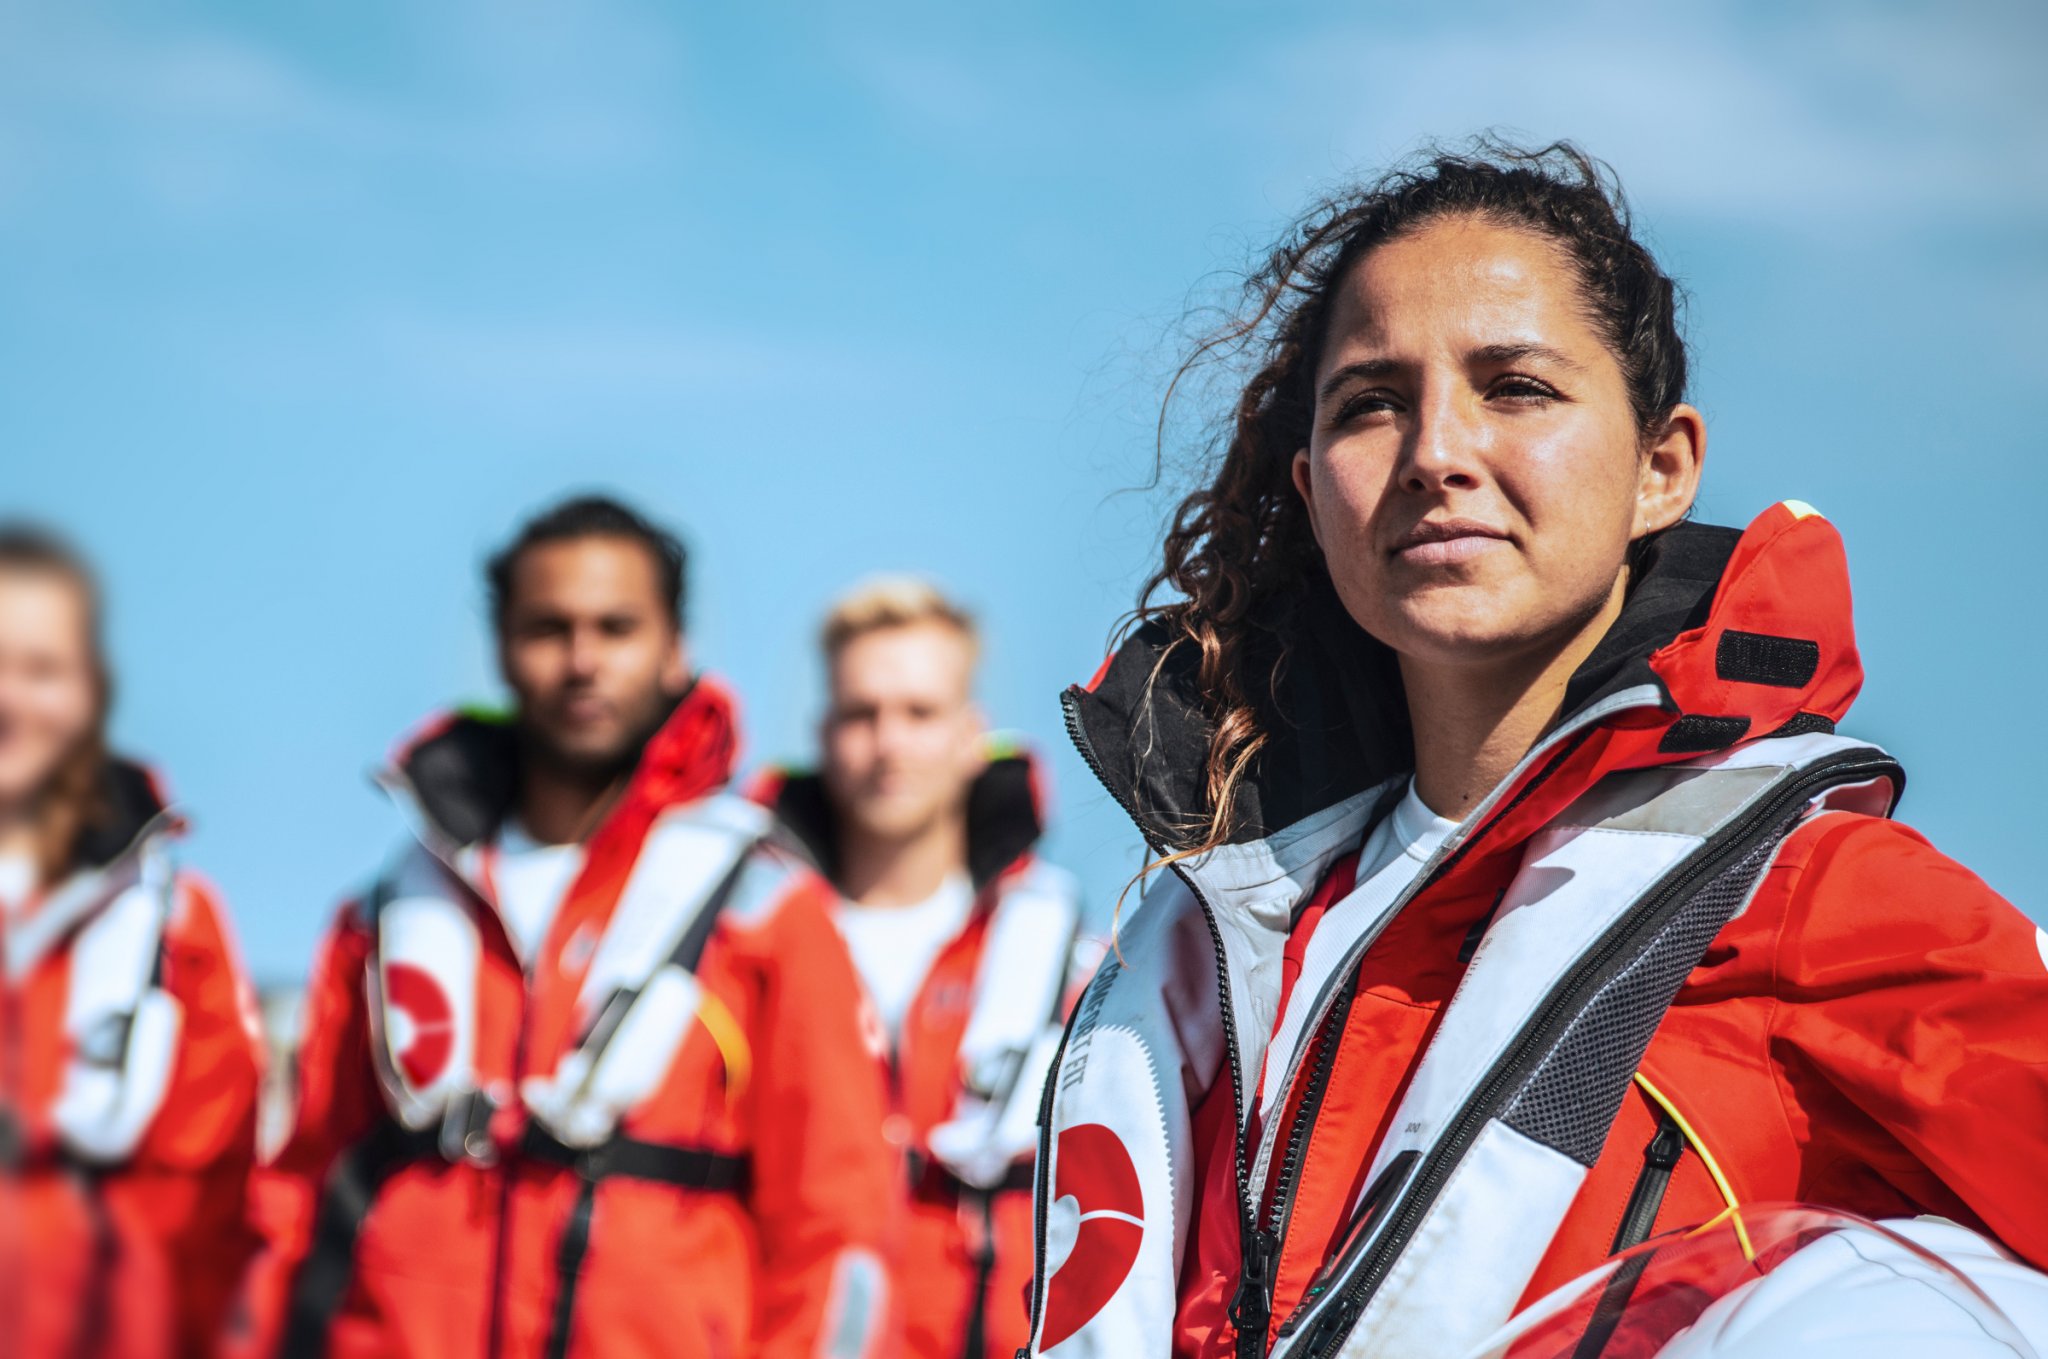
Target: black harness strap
{"x": 630, "y": 1158}
{"x": 352, "y": 1185}
{"x": 976, "y": 1340}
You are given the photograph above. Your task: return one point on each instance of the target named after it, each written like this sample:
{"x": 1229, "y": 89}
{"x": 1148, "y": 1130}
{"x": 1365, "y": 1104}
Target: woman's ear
{"x": 1304, "y": 486}
{"x": 1669, "y": 479}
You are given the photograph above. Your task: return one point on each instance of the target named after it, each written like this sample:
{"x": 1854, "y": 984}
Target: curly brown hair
{"x": 1239, "y": 550}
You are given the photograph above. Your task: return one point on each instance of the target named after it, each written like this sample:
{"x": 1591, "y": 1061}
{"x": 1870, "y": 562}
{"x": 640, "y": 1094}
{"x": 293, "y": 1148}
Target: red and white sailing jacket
{"x": 660, "y": 1135}
{"x": 129, "y": 1062}
{"x": 1679, "y": 959}
{"x": 971, "y": 1060}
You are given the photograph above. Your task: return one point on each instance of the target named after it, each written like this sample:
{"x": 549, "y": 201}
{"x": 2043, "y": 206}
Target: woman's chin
{"x": 1459, "y": 637}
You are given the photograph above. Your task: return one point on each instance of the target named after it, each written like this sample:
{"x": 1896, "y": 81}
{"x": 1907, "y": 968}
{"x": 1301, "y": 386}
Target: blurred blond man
{"x": 927, "y": 824}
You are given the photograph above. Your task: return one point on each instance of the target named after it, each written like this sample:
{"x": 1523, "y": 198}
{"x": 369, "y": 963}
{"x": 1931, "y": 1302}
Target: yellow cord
{"x": 1707, "y": 1159}
{"x": 731, "y": 1039}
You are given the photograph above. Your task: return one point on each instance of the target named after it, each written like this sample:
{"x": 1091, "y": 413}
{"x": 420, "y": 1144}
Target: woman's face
{"x": 1475, "y": 473}
{"x": 48, "y": 693}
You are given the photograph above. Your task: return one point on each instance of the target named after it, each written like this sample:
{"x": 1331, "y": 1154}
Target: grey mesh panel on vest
{"x": 1570, "y": 1100}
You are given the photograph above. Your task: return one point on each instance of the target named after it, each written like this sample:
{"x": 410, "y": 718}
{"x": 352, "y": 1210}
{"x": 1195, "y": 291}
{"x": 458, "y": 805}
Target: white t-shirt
{"x": 893, "y": 947}
{"x": 532, "y": 878}
{"x": 17, "y": 881}
{"x": 1392, "y": 853}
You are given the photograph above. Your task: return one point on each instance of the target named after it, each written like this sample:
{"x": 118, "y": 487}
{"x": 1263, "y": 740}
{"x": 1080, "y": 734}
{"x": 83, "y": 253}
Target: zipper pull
{"x": 1252, "y": 1308}
{"x": 1666, "y": 1148}
{"x": 1331, "y": 1330}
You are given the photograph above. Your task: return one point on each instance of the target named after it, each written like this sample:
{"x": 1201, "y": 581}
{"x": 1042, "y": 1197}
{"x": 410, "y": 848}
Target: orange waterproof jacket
{"x": 1861, "y": 1024}
{"x": 129, "y": 1062}
{"x": 967, "y": 1246}
{"x": 664, "y": 1137}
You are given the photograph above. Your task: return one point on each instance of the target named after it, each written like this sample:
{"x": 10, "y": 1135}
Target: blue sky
{"x": 306, "y": 304}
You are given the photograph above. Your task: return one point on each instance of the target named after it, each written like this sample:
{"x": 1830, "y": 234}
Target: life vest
{"x": 1698, "y": 739}
{"x": 129, "y": 1061}
{"x": 639, "y": 1000}
{"x": 975, "y": 1047}
{"x": 1616, "y": 900}
{"x": 121, "y": 1027}
{"x": 638, "y": 994}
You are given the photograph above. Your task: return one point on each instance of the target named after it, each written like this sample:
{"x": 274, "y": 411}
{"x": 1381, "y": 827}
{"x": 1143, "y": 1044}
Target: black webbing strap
{"x": 931, "y": 1181}
{"x": 569, "y": 1268}
{"x": 976, "y": 1340}
{"x": 323, "y": 1276}
{"x": 631, "y": 1158}
{"x": 95, "y": 1308}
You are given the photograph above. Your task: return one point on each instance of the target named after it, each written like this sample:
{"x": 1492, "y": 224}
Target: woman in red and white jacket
{"x": 1524, "y": 903}
{"x": 129, "y": 1052}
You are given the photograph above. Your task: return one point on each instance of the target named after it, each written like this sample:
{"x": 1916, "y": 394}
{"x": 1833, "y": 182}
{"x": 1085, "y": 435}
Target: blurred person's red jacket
{"x": 458, "y": 1183}
{"x": 970, "y": 1061}
{"x": 129, "y": 1063}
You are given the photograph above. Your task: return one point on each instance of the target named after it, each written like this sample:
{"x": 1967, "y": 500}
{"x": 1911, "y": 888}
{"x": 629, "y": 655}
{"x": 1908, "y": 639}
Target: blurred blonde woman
{"x": 128, "y": 1049}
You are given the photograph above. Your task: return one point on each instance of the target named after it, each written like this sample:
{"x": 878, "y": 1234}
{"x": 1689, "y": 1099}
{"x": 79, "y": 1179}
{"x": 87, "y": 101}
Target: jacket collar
{"x": 1725, "y": 636}
{"x": 458, "y": 774}
{"x": 1005, "y": 812}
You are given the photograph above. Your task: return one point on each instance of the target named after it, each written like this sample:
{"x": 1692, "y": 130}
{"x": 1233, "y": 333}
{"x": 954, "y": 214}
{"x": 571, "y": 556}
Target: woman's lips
{"x": 1447, "y": 541}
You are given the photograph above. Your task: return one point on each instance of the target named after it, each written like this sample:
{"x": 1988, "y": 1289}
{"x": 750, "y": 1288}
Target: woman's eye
{"x": 1525, "y": 390}
{"x": 1362, "y": 404}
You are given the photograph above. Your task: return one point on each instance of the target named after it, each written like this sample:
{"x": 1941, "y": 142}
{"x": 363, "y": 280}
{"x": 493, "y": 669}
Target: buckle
{"x": 466, "y": 1130}
{"x": 594, "y": 1163}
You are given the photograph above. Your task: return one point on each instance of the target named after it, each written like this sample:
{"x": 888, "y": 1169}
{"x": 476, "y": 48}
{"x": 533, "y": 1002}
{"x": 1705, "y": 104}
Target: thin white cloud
{"x": 568, "y": 360}
{"x": 197, "y": 119}
{"x": 1839, "y": 116}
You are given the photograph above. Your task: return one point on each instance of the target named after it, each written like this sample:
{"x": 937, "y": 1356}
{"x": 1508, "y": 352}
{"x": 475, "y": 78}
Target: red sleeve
{"x": 335, "y": 1105}
{"x": 193, "y": 1167}
{"x": 1911, "y": 1034}
{"x": 825, "y": 1178}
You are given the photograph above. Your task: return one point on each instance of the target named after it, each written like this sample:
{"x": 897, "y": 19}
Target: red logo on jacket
{"x": 1092, "y": 1168}
{"x": 424, "y": 1050}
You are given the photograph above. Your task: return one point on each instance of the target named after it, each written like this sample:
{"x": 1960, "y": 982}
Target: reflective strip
{"x": 733, "y": 1049}
{"x": 854, "y": 1306}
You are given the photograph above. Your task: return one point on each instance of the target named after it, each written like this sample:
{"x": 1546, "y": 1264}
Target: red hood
{"x": 1725, "y": 637}
{"x": 1005, "y": 811}
{"x": 462, "y": 767}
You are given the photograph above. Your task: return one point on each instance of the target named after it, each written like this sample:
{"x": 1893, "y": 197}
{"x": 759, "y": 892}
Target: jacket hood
{"x": 129, "y": 797}
{"x": 1005, "y": 812}
{"x": 461, "y": 768}
{"x": 1726, "y": 635}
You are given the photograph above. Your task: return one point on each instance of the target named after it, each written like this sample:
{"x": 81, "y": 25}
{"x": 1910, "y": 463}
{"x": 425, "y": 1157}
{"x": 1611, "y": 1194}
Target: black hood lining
{"x": 1003, "y": 821}
{"x": 124, "y": 802}
{"x": 1342, "y": 717}
{"x": 466, "y": 776}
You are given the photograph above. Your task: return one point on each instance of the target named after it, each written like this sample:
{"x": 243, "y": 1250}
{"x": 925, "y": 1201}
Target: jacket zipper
{"x": 1329, "y": 1030}
{"x": 1560, "y": 746}
{"x": 1280, "y": 1204}
{"x": 1369, "y": 1268}
{"x": 1660, "y": 1158}
{"x": 1259, "y": 1249}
